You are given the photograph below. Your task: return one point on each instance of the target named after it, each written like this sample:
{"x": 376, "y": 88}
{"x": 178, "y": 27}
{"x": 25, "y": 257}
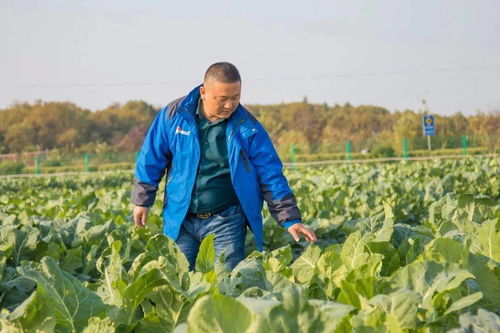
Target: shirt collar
{"x": 201, "y": 117}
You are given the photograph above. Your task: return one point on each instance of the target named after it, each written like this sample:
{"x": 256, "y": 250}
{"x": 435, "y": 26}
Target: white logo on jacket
{"x": 179, "y": 130}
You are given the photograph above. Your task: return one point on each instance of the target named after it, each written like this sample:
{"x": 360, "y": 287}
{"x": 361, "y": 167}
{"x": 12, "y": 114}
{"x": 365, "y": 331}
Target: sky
{"x": 392, "y": 54}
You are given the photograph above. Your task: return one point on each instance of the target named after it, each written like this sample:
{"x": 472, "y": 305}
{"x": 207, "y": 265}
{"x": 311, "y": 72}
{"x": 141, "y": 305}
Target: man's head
{"x": 221, "y": 91}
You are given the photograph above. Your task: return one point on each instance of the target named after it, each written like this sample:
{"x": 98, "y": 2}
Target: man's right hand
{"x": 140, "y": 216}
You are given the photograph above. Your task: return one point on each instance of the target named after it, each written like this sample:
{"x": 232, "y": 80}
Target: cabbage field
{"x": 403, "y": 247}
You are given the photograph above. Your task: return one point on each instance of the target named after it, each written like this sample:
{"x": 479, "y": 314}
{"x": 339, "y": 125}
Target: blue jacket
{"x": 256, "y": 171}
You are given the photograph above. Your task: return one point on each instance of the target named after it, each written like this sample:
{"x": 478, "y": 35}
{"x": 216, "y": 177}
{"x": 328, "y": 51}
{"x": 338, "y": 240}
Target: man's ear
{"x": 202, "y": 92}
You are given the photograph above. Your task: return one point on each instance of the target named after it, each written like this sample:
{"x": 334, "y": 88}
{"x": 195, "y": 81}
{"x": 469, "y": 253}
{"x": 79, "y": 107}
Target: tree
{"x": 491, "y": 128}
{"x": 116, "y": 121}
{"x": 408, "y": 125}
{"x": 19, "y": 138}
{"x": 70, "y": 138}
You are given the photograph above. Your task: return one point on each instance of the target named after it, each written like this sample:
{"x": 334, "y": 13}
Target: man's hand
{"x": 299, "y": 228}
{"x": 140, "y": 216}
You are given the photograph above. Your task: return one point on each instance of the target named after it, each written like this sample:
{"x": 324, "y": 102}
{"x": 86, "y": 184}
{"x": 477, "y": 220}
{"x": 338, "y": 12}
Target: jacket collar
{"x": 189, "y": 104}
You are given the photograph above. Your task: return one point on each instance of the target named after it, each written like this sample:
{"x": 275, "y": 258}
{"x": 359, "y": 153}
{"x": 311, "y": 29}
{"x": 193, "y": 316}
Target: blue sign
{"x": 429, "y": 128}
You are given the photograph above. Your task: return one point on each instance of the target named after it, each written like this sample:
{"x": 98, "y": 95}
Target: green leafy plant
{"x": 402, "y": 248}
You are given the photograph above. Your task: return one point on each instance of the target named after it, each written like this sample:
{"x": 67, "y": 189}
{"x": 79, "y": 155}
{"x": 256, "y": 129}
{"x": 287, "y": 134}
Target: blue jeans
{"x": 229, "y": 227}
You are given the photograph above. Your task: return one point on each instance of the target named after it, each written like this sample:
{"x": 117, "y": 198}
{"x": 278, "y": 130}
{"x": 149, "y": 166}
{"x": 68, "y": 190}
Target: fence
{"x": 406, "y": 148}
{"x": 53, "y": 162}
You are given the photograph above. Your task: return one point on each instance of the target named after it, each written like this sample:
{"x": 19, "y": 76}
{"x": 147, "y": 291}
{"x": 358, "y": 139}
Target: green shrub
{"x": 327, "y": 157}
{"x": 51, "y": 163}
{"x": 116, "y": 166}
{"x": 57, "y": 169}
{"x": 383, "y": 151}
{"x": 10, "y": 168}
{"x": 450, "y": 151}
{"x": 81, "y": 168}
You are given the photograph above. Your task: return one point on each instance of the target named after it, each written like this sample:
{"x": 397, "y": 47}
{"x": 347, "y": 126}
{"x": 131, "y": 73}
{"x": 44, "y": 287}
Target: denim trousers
{"x": 229, "y": 227}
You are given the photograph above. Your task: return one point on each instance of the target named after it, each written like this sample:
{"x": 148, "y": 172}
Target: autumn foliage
{"x": 312, "y": 127}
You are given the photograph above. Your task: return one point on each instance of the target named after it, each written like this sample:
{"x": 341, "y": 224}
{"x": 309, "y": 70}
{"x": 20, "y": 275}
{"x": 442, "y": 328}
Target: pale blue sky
{"x": 387, "y": 53}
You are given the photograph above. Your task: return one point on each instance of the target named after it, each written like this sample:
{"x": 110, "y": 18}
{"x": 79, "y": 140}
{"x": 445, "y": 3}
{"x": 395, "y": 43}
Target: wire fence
{"x": 404, "y": 148}
{"x": 286, "y": 165}
{"x": 54, "y": 162}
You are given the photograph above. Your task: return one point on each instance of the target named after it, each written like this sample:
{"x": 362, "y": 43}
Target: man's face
{"x": 220, "y": 99}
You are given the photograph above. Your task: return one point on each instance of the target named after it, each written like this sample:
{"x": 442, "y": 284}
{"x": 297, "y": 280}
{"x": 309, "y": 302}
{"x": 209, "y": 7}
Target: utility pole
{"x": 426, "y": 110}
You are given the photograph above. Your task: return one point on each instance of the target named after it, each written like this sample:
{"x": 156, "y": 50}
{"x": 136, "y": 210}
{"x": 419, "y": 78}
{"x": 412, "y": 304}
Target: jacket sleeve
{"x": 274, "y": 186}
{"x": 153, "y": 159}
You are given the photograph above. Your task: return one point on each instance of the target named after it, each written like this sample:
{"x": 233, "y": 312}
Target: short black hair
{"x": 223, "y": 72}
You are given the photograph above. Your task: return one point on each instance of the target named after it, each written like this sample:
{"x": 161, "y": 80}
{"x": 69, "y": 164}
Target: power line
{"x": 290, "y": 78}
{"x": 349, "y": 75}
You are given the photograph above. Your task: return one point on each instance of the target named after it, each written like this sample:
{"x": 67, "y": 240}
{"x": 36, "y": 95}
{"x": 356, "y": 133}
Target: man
{"x": 221, "y": 166}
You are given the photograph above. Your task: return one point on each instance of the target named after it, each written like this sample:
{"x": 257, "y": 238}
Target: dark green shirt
{"x": 213, "y": 190}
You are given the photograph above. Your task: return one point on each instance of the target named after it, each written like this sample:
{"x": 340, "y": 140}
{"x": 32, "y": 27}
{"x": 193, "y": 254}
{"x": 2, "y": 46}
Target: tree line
{"x": 311, "y": 127}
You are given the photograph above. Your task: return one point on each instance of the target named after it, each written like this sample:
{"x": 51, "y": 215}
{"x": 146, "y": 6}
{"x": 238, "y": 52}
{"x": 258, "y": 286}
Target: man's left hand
{"x": 299, "y": 228}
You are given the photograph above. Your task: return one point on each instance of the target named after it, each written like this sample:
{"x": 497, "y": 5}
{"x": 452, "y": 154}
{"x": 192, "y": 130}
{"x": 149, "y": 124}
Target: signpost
{"x": 348, "y": 149}
{"x": 429, "y": 128}
{"x": 86, "y": 158}
{"x": 37, "y": 165}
